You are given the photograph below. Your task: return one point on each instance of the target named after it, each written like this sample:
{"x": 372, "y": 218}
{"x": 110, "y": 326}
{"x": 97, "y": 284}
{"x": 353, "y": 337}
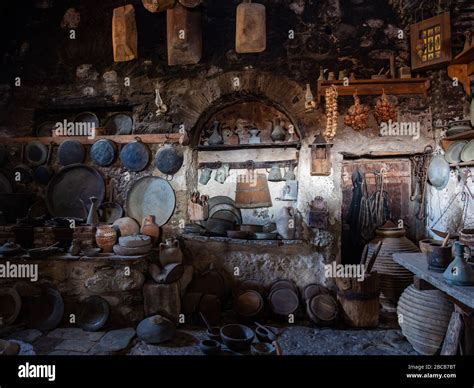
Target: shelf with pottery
{"x": 236, "y": 241}
{"x": 147, "y": 138}
{"x": 446, "y": 141}
{"x": 462, "y": 67}
{"x": 225, "y": 147}
{"x": 462, "y": 164}
{"x": 363, "y": 87}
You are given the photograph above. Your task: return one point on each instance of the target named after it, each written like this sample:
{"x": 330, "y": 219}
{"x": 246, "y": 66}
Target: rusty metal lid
{"x": 71, "y": 152}
{"x": 151, "y": 196}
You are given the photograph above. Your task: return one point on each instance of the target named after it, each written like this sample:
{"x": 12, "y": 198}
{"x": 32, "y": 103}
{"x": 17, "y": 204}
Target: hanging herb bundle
{"x": 385, "y": 110}
{"x": 331, "y": 113}
{"x": 357, "y": 115}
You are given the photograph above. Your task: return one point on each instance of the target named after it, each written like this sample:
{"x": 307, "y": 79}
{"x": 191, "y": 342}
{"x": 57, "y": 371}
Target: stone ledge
{"x": 242, "y": 241}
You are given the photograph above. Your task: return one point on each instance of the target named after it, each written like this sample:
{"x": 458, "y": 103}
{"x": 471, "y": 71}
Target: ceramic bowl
{"x": 210, "y": 347}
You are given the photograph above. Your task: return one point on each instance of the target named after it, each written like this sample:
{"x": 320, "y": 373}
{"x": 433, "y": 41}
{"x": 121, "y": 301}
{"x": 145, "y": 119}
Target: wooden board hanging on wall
{"x": 158, "y": 5}
{"x": 430, "y": 42}
{"x": 190, "y": 3}
{"x": 124, "y": 34}
{"x": 250, "y": 28}
{"x": 184, "y": 35}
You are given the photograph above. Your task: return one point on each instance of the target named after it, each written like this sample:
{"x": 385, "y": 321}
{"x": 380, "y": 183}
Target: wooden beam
{"x": 421, "y": 284}
{"x": 375, "y": 87}
{"x": 155, "y": 138}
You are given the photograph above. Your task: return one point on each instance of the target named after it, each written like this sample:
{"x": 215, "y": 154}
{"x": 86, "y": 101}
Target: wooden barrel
{"x": 359, "y": 300}
{"x": 184, "y": 36}
{"x": 424, "y": 318}
{"x": 249, "y": 304}
{"x": 158, "y": 5}
{"x": 393, "y": 277}
{"x": 250, "y": 30}
{"x": 124, "y": 34}
{"x": 322, "y": 310}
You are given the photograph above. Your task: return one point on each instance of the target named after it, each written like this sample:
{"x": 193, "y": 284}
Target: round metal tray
{"x": 151, "y": 196}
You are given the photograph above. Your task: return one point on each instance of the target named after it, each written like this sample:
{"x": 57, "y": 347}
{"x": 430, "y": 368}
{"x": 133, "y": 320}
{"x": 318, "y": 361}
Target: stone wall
{"x": 61, "y": 77}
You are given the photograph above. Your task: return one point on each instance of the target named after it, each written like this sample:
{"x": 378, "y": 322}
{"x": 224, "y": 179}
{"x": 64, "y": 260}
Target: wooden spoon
{"x": 445, "y": 241}
{"x": 269, "y": 333}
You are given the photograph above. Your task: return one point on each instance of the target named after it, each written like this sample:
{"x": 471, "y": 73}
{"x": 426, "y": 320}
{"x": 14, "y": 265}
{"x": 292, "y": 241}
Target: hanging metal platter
{"x": 135, "y": 156}
{"x": 103, "y": 152}
{"x": 71, "y": 152}
{"x": 438, "y": 172}
{"x": 36, "y": 153}
{"x": 151, "y": 196}
{"x": 71, "y": 185}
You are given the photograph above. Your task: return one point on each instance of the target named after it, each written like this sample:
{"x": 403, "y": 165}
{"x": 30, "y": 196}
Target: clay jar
{"x": 170, "y": 252}
{"x": 149, "y": 228}
{"x": 105, "y": 238}
{"x": 286, "y": 223}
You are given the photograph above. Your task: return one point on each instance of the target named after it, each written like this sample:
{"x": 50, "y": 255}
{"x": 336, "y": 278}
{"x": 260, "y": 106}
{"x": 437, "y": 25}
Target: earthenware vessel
{"x": 149, "y": 228}
{"x": 105, "y": 238}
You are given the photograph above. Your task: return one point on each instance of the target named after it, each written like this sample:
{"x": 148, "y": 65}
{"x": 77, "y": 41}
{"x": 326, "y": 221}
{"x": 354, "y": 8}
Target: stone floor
{"x": 294, "y": 340}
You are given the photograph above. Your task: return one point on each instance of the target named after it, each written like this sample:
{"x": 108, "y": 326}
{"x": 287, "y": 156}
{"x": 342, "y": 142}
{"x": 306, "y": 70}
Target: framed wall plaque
{"x": 430, "y": 42}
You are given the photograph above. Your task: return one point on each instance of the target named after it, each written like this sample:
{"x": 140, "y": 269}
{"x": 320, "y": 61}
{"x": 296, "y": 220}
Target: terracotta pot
{"x": 149, "y": 228}
{"x": 424, "y": 317}
{"x": 393, "y": 277}
{"x": 126, "y": 226}
{"x": 105, "y": 238}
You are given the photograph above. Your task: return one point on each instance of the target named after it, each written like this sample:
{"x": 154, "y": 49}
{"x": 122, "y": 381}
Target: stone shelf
{"x": 102, "y": 257}
{"x": 241, "y": 241}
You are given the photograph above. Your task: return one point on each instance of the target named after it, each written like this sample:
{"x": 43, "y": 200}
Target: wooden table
{"x": 462, "y": 322}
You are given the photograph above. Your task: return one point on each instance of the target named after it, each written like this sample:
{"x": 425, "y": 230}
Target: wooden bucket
{"x": 124, "y": 34}
{"x": 424, "y": 317}
{"x": 158, "y": 5}
{"x": 322, "y": 310}
{"x": 251, "y": 194}
{"x": 184, "y": 35}
{"x": 359, "y": 300}
{"x": 251, "y": 29}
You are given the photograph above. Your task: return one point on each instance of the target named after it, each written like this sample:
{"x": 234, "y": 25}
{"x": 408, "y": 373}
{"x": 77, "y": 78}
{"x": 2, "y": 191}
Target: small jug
{"x": 170, "y": 252}
{"x": 205, "y": 176}
{"x": 459, "y": 272}
{"x": 222, "y": 173}
{"x": 275, "y": 174}
{"x": 254, "y": 136}
{"x": 216, "y": 137}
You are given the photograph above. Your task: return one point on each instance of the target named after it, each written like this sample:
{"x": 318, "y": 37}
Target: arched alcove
{"x": 246, "y": 112}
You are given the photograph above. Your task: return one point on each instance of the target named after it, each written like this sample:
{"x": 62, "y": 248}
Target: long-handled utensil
{"x": 374, "y": 256}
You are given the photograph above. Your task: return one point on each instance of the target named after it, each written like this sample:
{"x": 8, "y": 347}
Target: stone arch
{"x": 196, "y": 101}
